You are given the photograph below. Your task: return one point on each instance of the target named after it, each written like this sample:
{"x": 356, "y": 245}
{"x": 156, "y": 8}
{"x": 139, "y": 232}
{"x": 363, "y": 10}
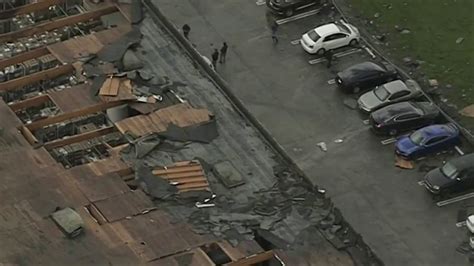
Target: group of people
{"x": 216, "y": 56}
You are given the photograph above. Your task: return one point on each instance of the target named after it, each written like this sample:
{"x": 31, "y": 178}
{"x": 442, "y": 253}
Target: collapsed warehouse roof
{"x": 104, "y": 134}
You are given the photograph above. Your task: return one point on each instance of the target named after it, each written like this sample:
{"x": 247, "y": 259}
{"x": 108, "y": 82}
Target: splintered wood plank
{"x": 110, "y": 87}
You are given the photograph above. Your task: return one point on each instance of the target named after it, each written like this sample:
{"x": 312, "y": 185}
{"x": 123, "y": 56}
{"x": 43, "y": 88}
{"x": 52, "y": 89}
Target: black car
{"x": 457, "y": 175}
{"x": 404, "y": 116}
{"x": 365, "y": 75}
{"x": 288, "y": 7}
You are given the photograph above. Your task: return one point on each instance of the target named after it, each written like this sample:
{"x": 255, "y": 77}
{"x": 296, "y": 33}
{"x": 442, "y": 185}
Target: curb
{"x": 466, "y": 133}
{"x": 222, "y": 85}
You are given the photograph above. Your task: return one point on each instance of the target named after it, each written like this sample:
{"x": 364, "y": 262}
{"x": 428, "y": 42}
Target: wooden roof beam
{"x": 56, "y": 24}
{"x": 23, "y": 57}
{"x": 35, "y": 101}
{"x": 51, "y": 73}
{"x": 29, "y": 8}
{"x": 78, "y": 138}
{"x": 67, "y": 116}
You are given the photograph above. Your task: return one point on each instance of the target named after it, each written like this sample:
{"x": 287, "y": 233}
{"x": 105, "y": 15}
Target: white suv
{"x": 329, "y": 37}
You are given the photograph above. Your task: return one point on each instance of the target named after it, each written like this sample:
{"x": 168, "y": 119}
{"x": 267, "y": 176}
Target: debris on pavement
{"x": 322, "y": 145}
{"x": 402, "y": 163}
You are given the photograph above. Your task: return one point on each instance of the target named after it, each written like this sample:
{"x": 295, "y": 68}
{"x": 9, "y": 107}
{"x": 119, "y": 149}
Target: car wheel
{"x": 321, "y": 51}
{"x": 354, "y": 42}
{"x": 289, "y": 12}
{"x": 393, "y": 132}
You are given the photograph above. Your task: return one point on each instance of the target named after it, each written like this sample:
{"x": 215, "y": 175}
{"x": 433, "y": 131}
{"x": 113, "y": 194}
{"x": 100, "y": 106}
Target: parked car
{"x": 456, "y": 175}
{"x": 288, "y": 7}
{"x": 428, "y": 140}
{"x": 404, "y": 116}
{"x": 364, "y": 76}
{"x": 389, "y": 93}
{"x": 329, "y": 37}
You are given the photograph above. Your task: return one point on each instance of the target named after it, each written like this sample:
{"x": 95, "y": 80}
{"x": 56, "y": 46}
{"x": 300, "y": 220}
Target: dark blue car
{"x": 428, "y": 140}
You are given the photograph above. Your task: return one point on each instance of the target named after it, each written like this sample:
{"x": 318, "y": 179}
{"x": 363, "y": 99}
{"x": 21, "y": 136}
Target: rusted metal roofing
{"x": 73, "y": 98}
{"x": 182, "y": 115}
{"x": 71, "y": 50}
{"x": 187, "y": 175}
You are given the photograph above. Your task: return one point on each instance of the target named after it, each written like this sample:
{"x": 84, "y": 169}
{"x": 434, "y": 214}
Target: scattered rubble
{"x": 433, "y": 83}
{"x": 405, "y": 31}
{"x": 322, "y": 146}
{"x": 459, "y": 40}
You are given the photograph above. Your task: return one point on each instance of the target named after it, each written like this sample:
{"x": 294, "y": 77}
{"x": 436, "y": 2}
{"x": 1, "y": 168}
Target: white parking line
{"x": 455, "y": 199}
{"x": 421, "y": 183}
{"x": 459, "y": 150}
{"x": 366, "y": 121}
{"x": 295, "y": 42}
{"x": 388, "y": 141}
{"x": 260, "y": 2}
{"x": 299, "y": 16}
{"x": 369, "y": 51}
{"x": 331, "y": 81}
{"x": 461, "y": 224}
{"x": 337, "y": 55}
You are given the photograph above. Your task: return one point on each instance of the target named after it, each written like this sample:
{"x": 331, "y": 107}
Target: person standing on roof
{"x": 223, "y": 53}
{"x": 215, "y": 57}
{"x": 186, "y": 30}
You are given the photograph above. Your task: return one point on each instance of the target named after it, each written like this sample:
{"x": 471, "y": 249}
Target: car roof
{"x": 395, "y": 86}
{"x": 365, "y": 66}
{"x": 327, "y": 29}
{"x": 440, "y": 129}
{"x": 401, "y": 108}
{"x": 463, "y": 161}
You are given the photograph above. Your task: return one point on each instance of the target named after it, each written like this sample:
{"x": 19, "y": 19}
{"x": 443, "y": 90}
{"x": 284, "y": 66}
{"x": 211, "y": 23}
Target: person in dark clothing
{"x": 215, "y": 57}
{"x": 223, "y": 53}
{"x": 186, "y": 30}
{"x": 329, "y": 56}
{"x": 274, "y": 32}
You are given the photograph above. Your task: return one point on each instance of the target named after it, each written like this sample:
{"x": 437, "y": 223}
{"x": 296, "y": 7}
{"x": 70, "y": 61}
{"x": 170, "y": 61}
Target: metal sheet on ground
{"x": 298, "y": 16}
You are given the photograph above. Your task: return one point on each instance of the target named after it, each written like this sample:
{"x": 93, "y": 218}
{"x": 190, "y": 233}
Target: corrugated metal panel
{"x": 189, "y": 176}
{"x": 180, "y": 114}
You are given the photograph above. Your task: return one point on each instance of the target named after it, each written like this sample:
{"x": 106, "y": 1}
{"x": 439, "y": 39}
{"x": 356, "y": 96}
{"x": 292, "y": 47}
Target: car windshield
{"x": 381, "y": 93}
{"x": 313, "y": 35}
{"x": 417, "y": 137}
{"x": 343, "y": 28}
{"x": 449, "y": 170}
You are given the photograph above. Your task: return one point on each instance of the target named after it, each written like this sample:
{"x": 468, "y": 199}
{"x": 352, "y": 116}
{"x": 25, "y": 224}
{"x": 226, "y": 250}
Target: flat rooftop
{"x": 103, "y": 113}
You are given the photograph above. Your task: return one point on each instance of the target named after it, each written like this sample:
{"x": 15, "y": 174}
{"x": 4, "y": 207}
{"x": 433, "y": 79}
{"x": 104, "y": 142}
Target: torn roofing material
{"x": 114, "y": 52}
{"x": 158, "y": 121}
{"x": 185, "y": 175}
{"x": 203, "y": 132}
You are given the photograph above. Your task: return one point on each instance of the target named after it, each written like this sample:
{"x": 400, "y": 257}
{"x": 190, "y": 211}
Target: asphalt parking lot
{"x": 299, "y": 104}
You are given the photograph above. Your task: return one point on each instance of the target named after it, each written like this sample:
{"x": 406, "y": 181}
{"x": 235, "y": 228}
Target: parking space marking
{"x": 455, "y": 199}
{"x": 461, "y": 224}
{"x": 388, "y": 141}
{"x": 369, "y": 51}
{"x": 337, "y": 55}
{"x": 295, "y": 42}
{"x": 366, "y": 121}
{"x": 459, "y": 150}
{"x": 331, "y": 81}
{"x": 421, "y": 183}
{"x": 299, "y": 16}
{"x": 260, "y": 2}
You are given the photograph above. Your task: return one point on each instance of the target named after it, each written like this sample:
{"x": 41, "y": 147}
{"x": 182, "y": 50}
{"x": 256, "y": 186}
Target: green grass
{"x": 435, "y": 25}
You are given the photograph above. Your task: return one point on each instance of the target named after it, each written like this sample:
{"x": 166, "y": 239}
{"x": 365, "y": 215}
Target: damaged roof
{"x": 177, "y": 177}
